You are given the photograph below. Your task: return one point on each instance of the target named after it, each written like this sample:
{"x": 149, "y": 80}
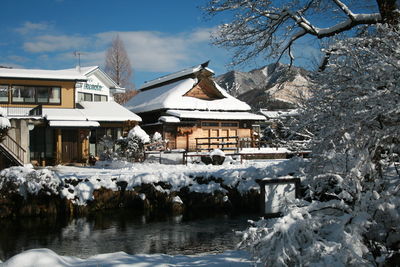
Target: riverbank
{"x": 143, "y": 187}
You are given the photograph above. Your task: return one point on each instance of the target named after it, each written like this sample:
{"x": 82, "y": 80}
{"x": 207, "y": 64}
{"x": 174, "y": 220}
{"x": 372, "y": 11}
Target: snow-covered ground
{"x": 48, "y": 258}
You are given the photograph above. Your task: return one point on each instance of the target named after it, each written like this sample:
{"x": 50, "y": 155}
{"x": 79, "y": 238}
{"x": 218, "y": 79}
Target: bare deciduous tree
{"x": 117, "y": 64}
{"x": 268, "y": 27}
{"x": 122, "y": 98}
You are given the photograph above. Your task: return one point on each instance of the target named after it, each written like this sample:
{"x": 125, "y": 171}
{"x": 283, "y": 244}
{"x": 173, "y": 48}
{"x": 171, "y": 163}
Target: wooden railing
{"x": 254, "y": 143}
{"x": 14, "y": 149}
{"x": 223, "y": 143}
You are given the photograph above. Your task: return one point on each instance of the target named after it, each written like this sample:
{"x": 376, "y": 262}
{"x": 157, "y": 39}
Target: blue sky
{"x": 160, "y": 36}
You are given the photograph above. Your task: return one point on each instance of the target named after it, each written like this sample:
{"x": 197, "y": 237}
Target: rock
{"x": 217, "y": 159}
{"x": 206, "y": 160}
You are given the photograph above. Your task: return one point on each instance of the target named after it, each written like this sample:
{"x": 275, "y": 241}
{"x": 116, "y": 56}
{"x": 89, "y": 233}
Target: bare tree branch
{"x": 270, "y": 28}
{"x": 117, "y": 64}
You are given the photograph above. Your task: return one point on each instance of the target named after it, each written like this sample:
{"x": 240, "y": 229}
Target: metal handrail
{"x": 14, "y": 148}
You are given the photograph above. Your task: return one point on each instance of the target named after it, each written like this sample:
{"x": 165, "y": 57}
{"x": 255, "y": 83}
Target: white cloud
{"x": 148, "y": 51}
{"x": 16, "y": 58}
{"x": 51, "y": 43}
{"x": 31, "y": 27}
{"x": 158, "y": 52}
{"x": 10, "y": 65}
{"x": 203, "y": 34}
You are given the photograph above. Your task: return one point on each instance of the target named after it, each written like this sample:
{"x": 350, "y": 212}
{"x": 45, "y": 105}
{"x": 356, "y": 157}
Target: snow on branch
{"x": 271, "y": 28}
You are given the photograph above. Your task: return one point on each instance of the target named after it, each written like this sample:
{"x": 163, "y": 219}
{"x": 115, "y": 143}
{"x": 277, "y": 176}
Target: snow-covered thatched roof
{"x": 172, "y": 96}
{"x": 176, "y": 75}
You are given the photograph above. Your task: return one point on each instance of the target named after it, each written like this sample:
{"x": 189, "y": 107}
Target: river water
{"x": 123, "y": 231}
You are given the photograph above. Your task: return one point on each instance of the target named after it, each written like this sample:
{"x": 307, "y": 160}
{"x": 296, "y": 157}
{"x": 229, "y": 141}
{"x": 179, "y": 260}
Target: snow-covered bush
{"x": 131, "y": 148}
{"x": 353, "y": 181}
{"x": 157, "y": 137}
{"x": 157, "y": 143}
{"x": 26, "y": 181}
{"x": 138, "y": 132}
{"x": 316, "y": 234}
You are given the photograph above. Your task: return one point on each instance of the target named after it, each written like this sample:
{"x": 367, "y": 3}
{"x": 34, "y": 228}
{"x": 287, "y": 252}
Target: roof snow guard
{"x": 173, "y": 77}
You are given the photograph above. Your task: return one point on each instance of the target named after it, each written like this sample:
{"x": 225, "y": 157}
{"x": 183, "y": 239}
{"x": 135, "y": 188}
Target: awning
{"x": 74, "y": 124}
{"x": 107, "y": 111}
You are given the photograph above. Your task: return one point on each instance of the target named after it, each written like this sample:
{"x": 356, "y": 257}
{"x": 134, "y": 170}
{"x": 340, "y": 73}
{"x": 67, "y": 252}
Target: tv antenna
{"x": 78, "y": 55}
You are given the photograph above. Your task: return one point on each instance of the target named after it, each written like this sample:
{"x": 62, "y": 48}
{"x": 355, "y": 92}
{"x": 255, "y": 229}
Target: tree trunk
{"x": 389, "y": 12}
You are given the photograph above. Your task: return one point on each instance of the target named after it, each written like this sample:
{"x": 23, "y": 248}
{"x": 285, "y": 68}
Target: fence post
{"x": 184, "y": 157}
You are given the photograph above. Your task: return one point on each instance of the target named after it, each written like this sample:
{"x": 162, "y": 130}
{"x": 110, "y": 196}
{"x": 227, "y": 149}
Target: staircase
{"x": 10, "y": 149}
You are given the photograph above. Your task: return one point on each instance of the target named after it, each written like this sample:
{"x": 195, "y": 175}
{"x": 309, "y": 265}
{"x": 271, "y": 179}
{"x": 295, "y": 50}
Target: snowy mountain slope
{"x": 275, "y": 86}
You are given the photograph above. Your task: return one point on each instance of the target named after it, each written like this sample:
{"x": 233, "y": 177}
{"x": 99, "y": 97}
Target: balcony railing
{"x": 21, "y": 110}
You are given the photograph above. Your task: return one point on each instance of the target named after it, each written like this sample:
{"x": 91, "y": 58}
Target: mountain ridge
{"x": 274, "y": 86}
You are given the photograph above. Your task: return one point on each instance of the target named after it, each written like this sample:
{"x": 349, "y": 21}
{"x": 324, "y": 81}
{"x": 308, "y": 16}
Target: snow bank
{"x": 48, "y": 258}
{"x": 240, "y": 176}
{"x": 78, "y": 183}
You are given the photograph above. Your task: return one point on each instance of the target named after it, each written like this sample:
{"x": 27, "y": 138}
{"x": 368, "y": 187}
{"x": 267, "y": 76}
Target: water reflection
{"x": 122, "y": 231}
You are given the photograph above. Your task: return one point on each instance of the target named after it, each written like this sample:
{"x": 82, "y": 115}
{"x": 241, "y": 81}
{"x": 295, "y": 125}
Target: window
{"x": 55, "y": 95}
{"x": 42, "y": 95}
{"x": 229, "y": 124}
{"x": 209, "y": 124}
{"x": 3, "y": 93}
{"x": 100, "y": 98}
{"x": 87, "y": 97}
{"x": 80, "y": 97}
{"x": 23, "y": 94}
{"x": 36, "y": 94}
{"x": 97, "y": 98}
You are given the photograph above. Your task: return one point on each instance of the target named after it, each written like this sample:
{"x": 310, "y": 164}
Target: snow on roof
{"x": 107, "y": 111}
{"x": 64, "y": 114}
{"x": 279, "y": 114}
{"x": 214, "y": 115}
{"x": 69, "y": 74}
{"x": 74, "y": 124}
{"x": 87, "y": 70}
{"x": 104, "y": 77}
{"x": 171, "y": 96}
{"x": 170, "y": 119}
{"x": 176, "y": 75}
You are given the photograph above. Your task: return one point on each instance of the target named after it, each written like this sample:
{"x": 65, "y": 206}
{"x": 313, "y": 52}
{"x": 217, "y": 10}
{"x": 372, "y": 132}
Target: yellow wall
{"x": 67, "y": 91}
